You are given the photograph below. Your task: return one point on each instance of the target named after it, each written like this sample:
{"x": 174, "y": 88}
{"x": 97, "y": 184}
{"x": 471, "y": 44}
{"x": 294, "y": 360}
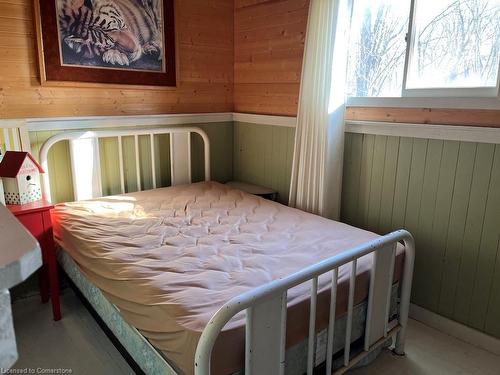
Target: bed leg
{"x": 399, "y": 348}
{"x": 404, "y": 307}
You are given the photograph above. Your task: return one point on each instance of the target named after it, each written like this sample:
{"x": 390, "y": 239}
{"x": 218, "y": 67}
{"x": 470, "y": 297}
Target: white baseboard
{"x": 455, "y": 329}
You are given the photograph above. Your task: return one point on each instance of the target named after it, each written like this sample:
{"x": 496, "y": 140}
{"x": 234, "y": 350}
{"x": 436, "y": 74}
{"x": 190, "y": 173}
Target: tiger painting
{"x": 106, "y": 33}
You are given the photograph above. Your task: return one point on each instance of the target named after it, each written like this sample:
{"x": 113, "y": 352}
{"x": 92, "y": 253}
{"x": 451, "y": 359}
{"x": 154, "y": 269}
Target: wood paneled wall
{"x": 447, "y": 194}
{"x": 263, "y": 156}
{"x": 204, "y": 33}
{"x": 269, "y": 46}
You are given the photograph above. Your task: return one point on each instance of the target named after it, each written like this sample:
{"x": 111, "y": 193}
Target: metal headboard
{"x": 180, "y": 148}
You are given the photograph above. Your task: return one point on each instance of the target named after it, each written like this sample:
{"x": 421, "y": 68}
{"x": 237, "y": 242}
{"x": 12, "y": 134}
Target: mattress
{"x": 153, "y": 362}
{"x": 169, "y": 258}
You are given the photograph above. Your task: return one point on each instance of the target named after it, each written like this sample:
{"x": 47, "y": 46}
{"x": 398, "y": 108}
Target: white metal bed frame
{"x": 180, "y": 154}
{"x": 266, "y": 306}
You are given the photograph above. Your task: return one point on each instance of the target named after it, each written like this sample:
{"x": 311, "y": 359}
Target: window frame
{"x": 484, "y": 97}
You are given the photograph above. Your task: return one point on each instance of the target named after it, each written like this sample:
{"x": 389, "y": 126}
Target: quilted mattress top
{"x": 170, "y": 258}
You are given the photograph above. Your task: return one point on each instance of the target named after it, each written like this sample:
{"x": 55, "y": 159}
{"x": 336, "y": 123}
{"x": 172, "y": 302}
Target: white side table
{"x": 261, "y": 191}
{"x": 20, "y": 256}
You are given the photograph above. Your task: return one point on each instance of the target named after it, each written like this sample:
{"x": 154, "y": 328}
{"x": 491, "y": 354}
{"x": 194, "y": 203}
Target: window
{"x": 377, "y": 47}
{"x": 424, "y": 48}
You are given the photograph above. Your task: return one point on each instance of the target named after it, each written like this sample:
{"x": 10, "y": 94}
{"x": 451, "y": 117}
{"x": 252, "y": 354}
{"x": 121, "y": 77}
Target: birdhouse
{"x": 21, "y": 178}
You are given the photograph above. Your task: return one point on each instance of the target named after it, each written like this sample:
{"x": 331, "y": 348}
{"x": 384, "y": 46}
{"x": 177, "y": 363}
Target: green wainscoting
{"x": 7, "y": 141}
{"x": 263, "y": 156}
{"x": 447, "y": 194}
{"x": 221, "y": 142}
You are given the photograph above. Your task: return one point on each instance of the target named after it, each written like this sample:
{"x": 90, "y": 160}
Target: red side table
{"x": 36, "y": 219}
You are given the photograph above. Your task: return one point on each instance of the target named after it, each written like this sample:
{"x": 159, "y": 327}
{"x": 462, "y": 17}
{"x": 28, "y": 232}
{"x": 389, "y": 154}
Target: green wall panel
{"x": 440, "y": 223}
{"x": 486, "y": 286}
{"x": 388, "y": 184}
{"x": 221, "y": 142}
{"x": 473, "y": 230}
{"x": 456, "y": 227}
{"x": 263, "y": 156}
{"x": 402, "y": 181}
{"x": 426, "y": 211}
{"x": 447, "y": 194}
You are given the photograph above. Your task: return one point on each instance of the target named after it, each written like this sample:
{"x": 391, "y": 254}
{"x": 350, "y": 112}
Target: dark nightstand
{"x": 36, "y": 218}
{"x": 261, "y": 191}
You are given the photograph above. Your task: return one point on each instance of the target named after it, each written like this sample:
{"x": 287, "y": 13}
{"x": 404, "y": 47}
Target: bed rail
{"x": 266, "y": 310}
{"x": 180, "y": 158}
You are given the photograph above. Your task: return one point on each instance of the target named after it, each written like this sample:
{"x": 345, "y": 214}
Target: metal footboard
{"x": 266, "y": 310}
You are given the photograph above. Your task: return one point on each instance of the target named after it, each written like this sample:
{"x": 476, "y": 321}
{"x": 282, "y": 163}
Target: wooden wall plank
{"x": 458, "y": 215}
{"x": 377, "y": 178}
{"x": 163, "y": 167}
{"x": 205, "y": 54}
{"x": 441, "y": 220}
{"x": 414, "y": 194}
{"x": 145, "y": 162}
{"x": 263, "y": 156}
{"x": 415, "y": 184}
{"x": 110, "y": 166}
{"x": 365, "y": 179}
{"x": 426, "y": 216}
{"x": 290, "y": 135}
{"x": 269, "y": 44}
{"x": 351, "y": 173}
{"x": 484, "y": 277}
{"x": 447, "y": 194}
{"x": 473, "y": 229}
{"x": 402, "y": 180}
{"x": 443, "y": 116}
{"x": 277, "y": 164}
{"x": 492, "y": 321}
{"x": 388, "y": 185}
{"x": 129, "y": 165}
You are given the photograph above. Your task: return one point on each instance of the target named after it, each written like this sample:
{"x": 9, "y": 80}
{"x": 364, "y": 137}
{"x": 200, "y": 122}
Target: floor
{"x": 77, "y": 343}
{"x": 429, "y": 351}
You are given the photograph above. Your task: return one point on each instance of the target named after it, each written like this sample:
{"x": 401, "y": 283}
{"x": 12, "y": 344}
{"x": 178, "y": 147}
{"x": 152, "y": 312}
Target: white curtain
{"x": 317, "y": 163}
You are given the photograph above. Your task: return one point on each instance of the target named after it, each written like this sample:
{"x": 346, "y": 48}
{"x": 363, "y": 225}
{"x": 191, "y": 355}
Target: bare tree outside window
{"x": 378, "y": 48}
{"x": 457, "y": 44}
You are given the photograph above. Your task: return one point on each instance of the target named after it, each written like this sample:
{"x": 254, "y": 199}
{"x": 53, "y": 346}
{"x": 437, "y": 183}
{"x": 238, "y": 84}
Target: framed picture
{"x": 106, "y": 41}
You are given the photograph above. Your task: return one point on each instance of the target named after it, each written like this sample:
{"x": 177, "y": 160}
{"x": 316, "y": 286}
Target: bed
{"x": 215, "y": 280}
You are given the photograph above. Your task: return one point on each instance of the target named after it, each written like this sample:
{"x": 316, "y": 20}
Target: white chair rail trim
{"x": 98, "y": 122}
{"x": 287, "y": 121}
{"x": 426, "y": 131}
{"x": 74, "y": 123}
